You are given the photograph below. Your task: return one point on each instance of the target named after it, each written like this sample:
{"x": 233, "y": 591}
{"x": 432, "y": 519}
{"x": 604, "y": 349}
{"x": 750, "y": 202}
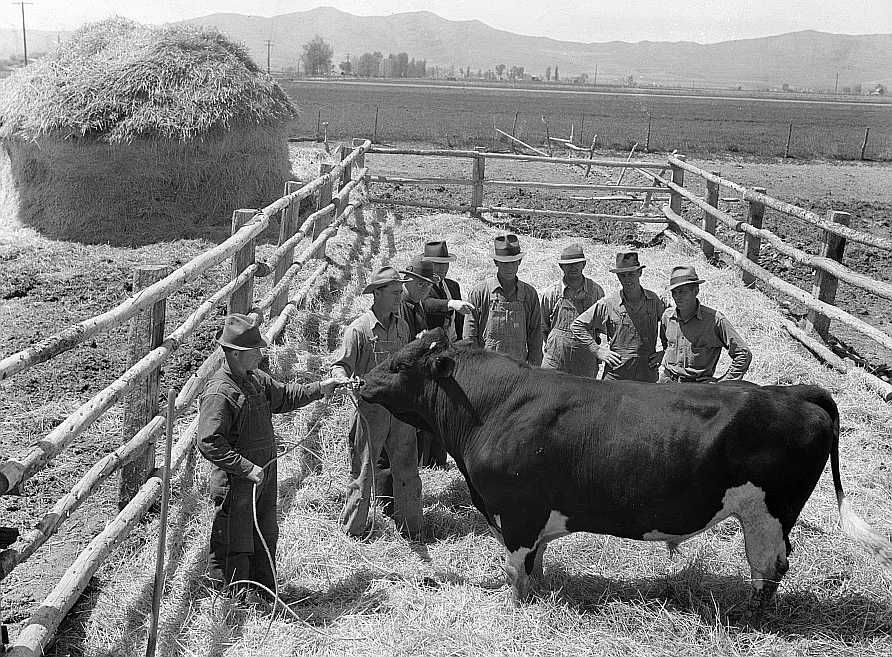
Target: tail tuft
{"x": 856, "y": 528}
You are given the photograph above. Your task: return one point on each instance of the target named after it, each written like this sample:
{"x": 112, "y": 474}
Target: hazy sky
{"x": 574, "y": 20}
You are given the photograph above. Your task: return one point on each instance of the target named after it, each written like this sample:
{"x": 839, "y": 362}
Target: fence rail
{"x": 316, "y": 227}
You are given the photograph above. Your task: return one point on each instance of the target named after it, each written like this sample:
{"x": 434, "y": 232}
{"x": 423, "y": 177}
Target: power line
{"x": 24, "y": 37}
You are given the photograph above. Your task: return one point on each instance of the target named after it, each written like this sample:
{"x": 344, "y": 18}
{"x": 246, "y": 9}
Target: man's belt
{"x": 678, "y": 378}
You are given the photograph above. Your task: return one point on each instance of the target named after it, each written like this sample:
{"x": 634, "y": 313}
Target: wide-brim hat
{"x": 240, "y": 332}
{"x": 627, "y": 261}
{"x": 437, "y": 251}
{"x": 506, "y": 248}
{"x": 684, "y": 275}
{"x": 422, "y": 270}
{"x": 572, "y": 254}
{"x": 384, "y": 276}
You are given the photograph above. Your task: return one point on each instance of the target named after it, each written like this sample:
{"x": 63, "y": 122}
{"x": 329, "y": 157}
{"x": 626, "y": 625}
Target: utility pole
{"x": 268, "y": 46}
{"x": 24, "y": 38}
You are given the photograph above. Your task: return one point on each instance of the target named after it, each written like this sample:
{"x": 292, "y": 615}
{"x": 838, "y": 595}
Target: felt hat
{"x": 240, "y": 332}
{"x": 506, "y": 248}
{"x": 571, "y": 254}
{"x": 683, "y": 275}
{"x": 384, "y": 276}
{"x": 436, "y": 251}
{"x": 626, "y": 261}
{"x": 422, "y": 270}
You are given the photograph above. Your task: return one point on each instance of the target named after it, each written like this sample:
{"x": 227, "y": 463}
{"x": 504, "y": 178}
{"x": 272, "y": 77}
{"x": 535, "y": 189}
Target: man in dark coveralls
{"x": 235, "y": 433}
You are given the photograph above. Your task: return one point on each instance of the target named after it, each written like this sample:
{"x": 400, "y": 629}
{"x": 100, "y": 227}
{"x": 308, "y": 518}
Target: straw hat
{"x": 240, "y": 332}
{"x": 684, "y": 275}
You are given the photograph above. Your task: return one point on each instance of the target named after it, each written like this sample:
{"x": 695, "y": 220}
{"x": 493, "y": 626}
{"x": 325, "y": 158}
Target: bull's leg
{"x": 518, "y": 568}
{"x": 766, "y": 551}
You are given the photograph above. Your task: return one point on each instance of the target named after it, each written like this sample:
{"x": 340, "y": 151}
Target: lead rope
{"x": 352, "y": 385}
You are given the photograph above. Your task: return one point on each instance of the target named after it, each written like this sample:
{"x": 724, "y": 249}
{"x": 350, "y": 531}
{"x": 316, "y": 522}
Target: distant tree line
{"x": 376, "y": 65}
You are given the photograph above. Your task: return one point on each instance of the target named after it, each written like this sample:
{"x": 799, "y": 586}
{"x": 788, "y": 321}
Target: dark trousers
{"x": 431, "y": 450}
{"x": 236, "y": 552}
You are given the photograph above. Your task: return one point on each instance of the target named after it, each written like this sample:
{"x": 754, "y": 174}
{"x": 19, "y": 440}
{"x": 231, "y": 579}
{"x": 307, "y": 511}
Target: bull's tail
{"x": 850, "y": 522}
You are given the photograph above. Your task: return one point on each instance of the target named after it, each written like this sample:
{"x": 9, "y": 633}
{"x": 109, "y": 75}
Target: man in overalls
{"x": 630, "y": 318}
{"x": 235, "y": 433}
{"x": 368, "y": 341}
{"x": 561, "y": 304}
{"x": 444, "y": 306}
{"x": 508, "y": 317}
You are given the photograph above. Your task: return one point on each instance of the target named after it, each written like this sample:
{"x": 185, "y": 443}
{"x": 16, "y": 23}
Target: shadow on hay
{"x": 723, "y": 600}
{"x": 346, "y": 596}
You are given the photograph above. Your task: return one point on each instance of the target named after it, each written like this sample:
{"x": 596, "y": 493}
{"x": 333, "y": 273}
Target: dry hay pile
{"x": 129, "y": 133}
{"x": 446, "y": 596}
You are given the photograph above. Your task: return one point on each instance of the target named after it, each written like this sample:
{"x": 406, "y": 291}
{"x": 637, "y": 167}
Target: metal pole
{"x": 162, "y": 531}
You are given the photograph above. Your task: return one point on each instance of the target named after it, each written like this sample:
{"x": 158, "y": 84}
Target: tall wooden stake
{"x": 825, "y": 285}
{"x": 789, "y": 138}
{"x": 712, "y": 197}
{"x": 242, "y": 299}
{"x": 678, "y": 179}
{"x": 752, "y": 244}
{"x": 146, "y": 333}
{"x": 864, "y": 143}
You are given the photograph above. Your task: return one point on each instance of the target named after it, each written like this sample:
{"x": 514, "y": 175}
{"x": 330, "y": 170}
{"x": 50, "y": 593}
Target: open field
{"x": 445, "y": 595}
{"x": 462, "y": 116}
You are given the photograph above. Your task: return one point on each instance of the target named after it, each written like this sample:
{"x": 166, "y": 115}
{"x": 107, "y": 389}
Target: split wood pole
{"x": 789, "y": 138}
{"x": 322, "y": 201}
{"x": 347, "y": 173}
{"x": 647, "y": 138}
{"x": 825, "y": 285}
{"x": 864, "y": 143}
{"x": 547, "y": 136}
{"x": 318, "y": 120}
{"x": 291, "y": 221}
{"x": 751, "y": 243}
{"x": 582, "y": 129}
{"x": 591, "y": 154}
{"x": 709, "y": 221}
{"x": 158, "y": 587}
{"x": 375, "y": 131}
{"x": 478, "y": 175}
{"x": 514, "y": 132}
{"x": 243, "y": 297}
{"x": 678, "y": 179}
{"x": 141, "y": 405}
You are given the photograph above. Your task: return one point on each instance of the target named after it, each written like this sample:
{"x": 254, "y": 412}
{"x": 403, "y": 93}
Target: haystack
{"x": 130, "y": 133}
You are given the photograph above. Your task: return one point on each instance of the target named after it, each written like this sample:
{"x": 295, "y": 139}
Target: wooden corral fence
{"x": 143, "y": 423}
{"x": 669, "y": 176}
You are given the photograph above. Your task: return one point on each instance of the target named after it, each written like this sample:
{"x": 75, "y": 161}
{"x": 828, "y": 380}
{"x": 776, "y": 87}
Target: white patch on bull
{"x": 555, "y": 527}
{"x": 496, "y": 519}
{"x": 762, "y": 532}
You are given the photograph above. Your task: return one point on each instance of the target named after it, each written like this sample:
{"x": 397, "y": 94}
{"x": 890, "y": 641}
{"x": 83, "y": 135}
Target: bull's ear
{"x": 442, "y": 367}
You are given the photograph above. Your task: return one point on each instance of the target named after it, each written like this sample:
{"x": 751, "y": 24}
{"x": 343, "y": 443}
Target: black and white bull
{"x": 545, "y": 453}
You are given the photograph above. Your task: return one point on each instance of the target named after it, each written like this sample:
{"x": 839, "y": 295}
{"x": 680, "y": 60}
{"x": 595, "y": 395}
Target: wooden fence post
{"x": 751, "y": 243}
{"x": 712, "y": 197}
{"x": 824, "y": 286}
{"x": 141, "y": 403}
{"x": 347, "y": 174}
{"x": 789, "y": 138}
{"x": 647, "y": 139}
{"x": 864, "y": 143}
{"x": 678, "y": 179}
{"x": 242, "y": 299}
{"x": 514, "y": 132}
{"x": 479, "y": 174}
{"x": 375, "y": 131}
{"x": 290, "y": 224}
{"x": 322, "y": 201}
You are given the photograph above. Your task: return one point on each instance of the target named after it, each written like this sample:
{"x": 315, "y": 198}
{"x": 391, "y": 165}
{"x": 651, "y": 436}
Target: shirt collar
{"x": 493, "y": 284}
{"x": 374, "y": 321}
{"x": 697, "y": 313}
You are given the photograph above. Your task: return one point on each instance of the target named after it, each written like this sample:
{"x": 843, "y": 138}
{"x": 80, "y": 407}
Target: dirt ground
{"x": 46, "y": 286}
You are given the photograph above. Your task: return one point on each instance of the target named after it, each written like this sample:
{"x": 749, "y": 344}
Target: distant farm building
{"x": 129, "y": 133}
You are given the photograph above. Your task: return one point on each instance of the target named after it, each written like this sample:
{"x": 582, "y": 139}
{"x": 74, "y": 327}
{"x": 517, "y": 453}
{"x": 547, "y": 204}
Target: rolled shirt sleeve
{"x": 215, "y": 418}
{"x": 738, "y": 350}
{"x": 478, "y": 300}
{"x": 348, "y": 356}
{"x": 585, "y": 327}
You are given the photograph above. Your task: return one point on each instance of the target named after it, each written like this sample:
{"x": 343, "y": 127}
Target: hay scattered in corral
{"x": 129, "y": 133}
{"x": 604, "y": 596}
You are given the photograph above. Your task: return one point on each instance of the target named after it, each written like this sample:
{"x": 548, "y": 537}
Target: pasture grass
{"x": 446, "y": 595}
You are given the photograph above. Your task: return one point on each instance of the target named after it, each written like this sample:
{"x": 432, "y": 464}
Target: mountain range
{"x": 804, "y": 60}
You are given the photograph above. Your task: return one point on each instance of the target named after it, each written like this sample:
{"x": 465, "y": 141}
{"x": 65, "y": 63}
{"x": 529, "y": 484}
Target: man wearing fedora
{"x": 369, "y": 340}
{"x": 444, "y": 306}
{"x": 508, "y": 317}
{"x": 421, "y": 278}
{"x": 235, "y": 433}
{"x": 561, "y": 304}
{"x": 630, "y": 318}
{"x": 693, "y": 335}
